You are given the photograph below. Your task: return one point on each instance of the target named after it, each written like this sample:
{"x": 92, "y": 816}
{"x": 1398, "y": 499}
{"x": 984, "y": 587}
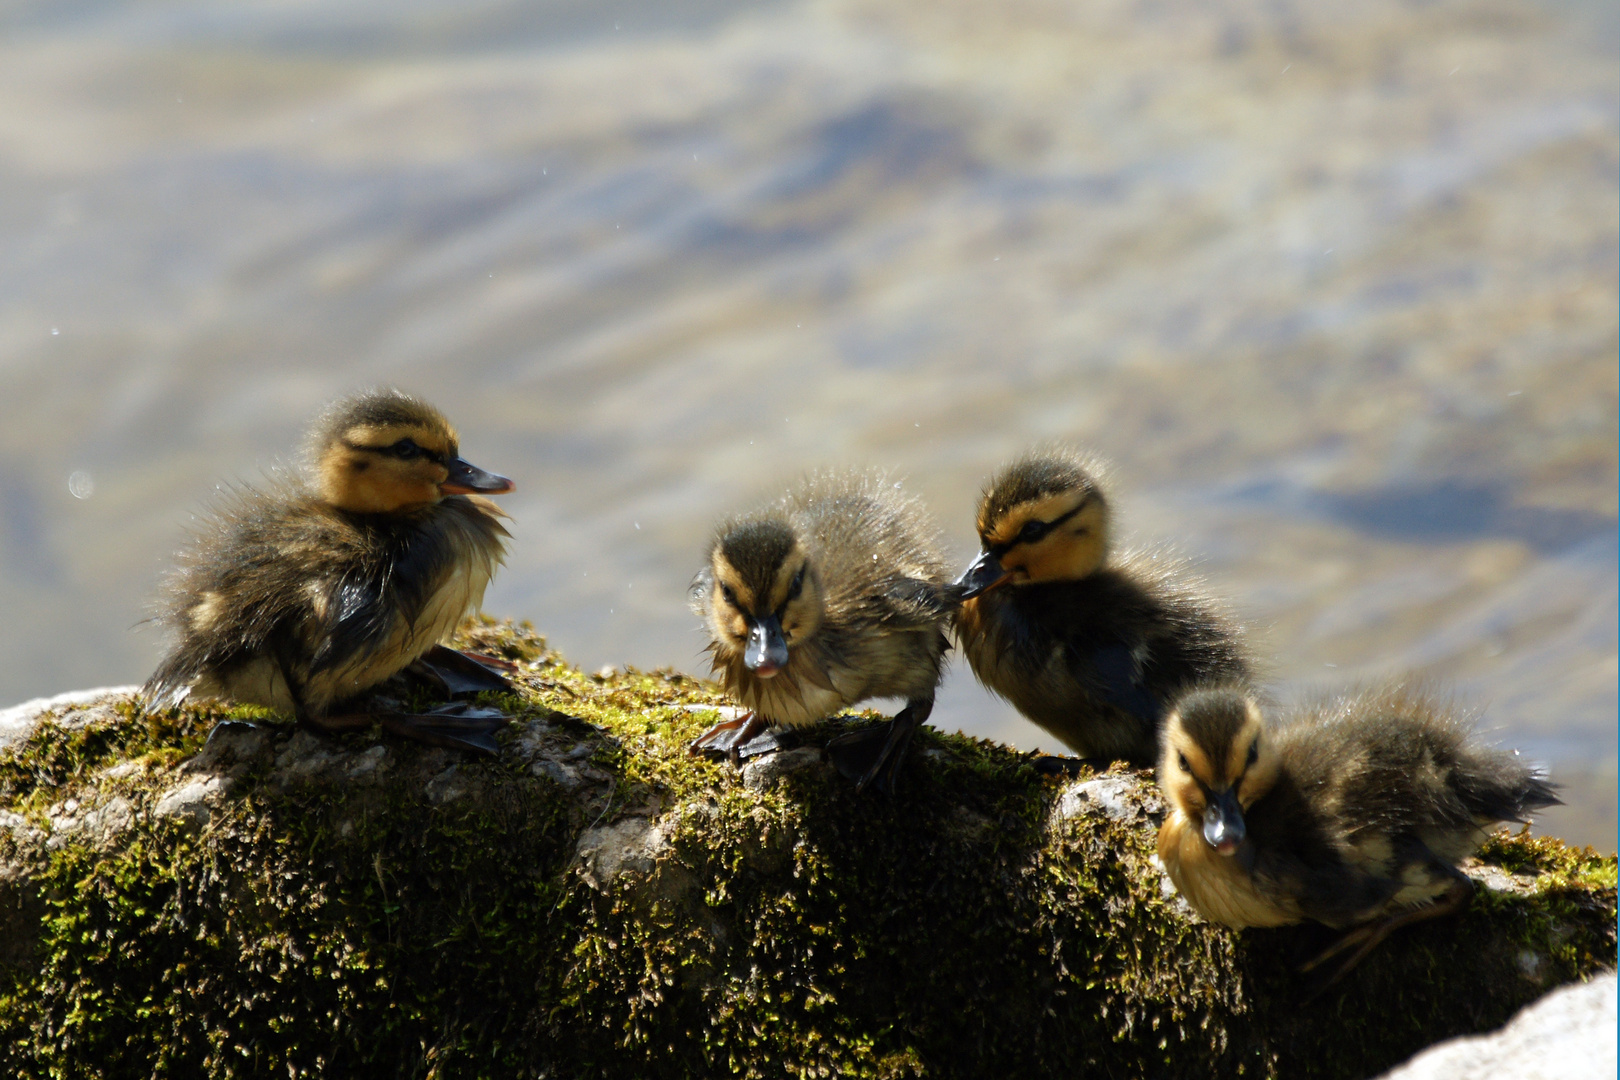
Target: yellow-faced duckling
{"x": 304, "y": 595}
{"x": 833, "y": 595}
{"x": 1353, "y": 813}
{"x": 1089, "y": 645}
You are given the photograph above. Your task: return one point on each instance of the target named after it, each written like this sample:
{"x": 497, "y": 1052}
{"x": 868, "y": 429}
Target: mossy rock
{"x": 594, "y": 902}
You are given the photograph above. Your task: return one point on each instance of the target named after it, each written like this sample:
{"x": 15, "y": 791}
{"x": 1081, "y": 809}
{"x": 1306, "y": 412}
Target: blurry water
{"x": 1333, "y": 284}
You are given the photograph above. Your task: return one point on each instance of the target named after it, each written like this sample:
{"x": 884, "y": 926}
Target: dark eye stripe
{"x": 405, "y": 449}
{"x": 1037, "y": 530}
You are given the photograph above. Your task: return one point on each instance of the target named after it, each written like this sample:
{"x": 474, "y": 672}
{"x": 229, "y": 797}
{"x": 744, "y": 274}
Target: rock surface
{"x": 208, "y": 892}
{"x": 1567, "y": 1035}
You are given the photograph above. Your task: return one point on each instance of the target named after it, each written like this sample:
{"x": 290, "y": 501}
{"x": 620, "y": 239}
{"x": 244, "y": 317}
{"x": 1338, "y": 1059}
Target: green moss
{"x": 59, "y": 756}
{"x": 329, "y": 923}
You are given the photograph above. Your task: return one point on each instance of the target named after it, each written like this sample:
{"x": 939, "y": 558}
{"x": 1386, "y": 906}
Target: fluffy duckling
{"x": 832, "y": 595}
{"x": 302, "y": 596}
{"x": 1353, "y": 814}
{"x": 1091, "y": 647}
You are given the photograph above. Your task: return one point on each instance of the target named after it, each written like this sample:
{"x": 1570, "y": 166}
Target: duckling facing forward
{"x": 1353, "y": 814}
{"x": 833, "y": 595}
{"x": 302, "y": 596}
{"x": 1089, "y": 647}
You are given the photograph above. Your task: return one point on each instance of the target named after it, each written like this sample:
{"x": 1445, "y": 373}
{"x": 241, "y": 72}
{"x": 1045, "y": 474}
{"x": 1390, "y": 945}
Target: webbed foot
{"x": 872, "y": 756}
{"x": 458, "y": 726}
{"x": 462, "y": 673}
{"x": 1363, "y": 939}
{"x": 729, "y": 738}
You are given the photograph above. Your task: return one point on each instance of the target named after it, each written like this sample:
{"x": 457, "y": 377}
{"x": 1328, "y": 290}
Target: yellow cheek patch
{"x": 1187, "y": 796}
{"x": 724, "y": 575}
{"x": 1197, "y": 763}
{"x": 1048, "y": 509}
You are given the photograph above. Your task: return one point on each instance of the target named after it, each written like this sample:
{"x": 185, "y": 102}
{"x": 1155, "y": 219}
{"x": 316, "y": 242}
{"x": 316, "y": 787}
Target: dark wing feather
{"x": 1119, "y": 682}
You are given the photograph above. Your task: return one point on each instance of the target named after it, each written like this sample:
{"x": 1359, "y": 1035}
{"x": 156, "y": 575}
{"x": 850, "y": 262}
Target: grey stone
{"x": 1567, "y": 1035}
{"x": 629, "y": 846}
{"x": 446, "y": 787}
{"x": 188, "y": 804}
{"x": 559, "y": 774}
{"x": 303, "y": 757}
{"x": 231, "y": 748}
{"x": 761, "y": 772}
{"x": 370, "y": 762}
{"x": 1123, "y": 798}
{"x": 19, "y": 721}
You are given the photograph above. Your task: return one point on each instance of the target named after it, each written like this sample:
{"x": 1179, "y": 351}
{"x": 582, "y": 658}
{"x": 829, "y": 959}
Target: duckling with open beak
{"x": 303, "y": 596}
{"x": 1353, "y": 813}
{"x": 1088, "y": 644}
{"x": 833, "y": 595}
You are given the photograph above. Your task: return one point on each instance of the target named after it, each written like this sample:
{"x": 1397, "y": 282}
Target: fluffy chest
{"x": 459, "y": 591}
{"x": 1217, "y": 886}
{"x": 787, "y": 704}
{"x": 807, "y": 690}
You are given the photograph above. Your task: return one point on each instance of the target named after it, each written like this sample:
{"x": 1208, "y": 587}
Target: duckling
{"x": 834, "y": 594}
{"x": 1088, "y": 645}
{"x": 304, "y": 595}
{"x": 1352, "y": 813}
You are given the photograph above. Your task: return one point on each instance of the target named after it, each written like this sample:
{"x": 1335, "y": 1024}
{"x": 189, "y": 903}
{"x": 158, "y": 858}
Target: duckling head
{"x": 1216, "y": 762}
{"x": 1043, "y": 518}
{"x": 387, "y": 453}
{"x": 764, "y": 597}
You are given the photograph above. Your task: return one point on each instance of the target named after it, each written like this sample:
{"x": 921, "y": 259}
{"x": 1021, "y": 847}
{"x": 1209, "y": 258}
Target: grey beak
{"x": 466, "y": 478}
{"x": 1223, "y": 823}
{"x": 767, "y": 650}
{"x": 982, "y": 575}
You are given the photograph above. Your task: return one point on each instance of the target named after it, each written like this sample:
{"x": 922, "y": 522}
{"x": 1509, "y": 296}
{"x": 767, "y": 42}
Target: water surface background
{"x": 1333, "y": 284}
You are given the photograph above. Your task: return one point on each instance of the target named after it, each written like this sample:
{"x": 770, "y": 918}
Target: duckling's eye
{"x": 731, "y": 597}
{"x": 1181, "y": 759}
{"x": 405, "y": 450}
{"x": 1254, "y": 752}
{"x": 1032, "y": 531}
{"x": 797, "y": 586}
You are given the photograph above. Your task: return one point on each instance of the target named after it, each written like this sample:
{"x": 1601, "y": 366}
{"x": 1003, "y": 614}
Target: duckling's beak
{"x": 984, "y": 574}
{"x": 1223, "y": 823}
{"x": 767, "y": 649}
{"x": 466, "y": 479}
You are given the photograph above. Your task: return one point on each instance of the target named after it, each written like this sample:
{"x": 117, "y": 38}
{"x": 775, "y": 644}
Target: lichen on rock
{"x": 207, "y": 892}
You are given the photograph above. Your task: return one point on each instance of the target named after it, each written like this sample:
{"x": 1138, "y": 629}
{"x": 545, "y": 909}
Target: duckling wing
{"x": 359, "y": 615}
{"x": 1119, "y": 682}
{"x": 1110, "y": 637}
{"x": 377, "y": 600}
{"x": 1298, "y": 856}
{"x": 913, "y": 603}
{"x": 1321, "y": 888}
{"x": 274, "y": 575}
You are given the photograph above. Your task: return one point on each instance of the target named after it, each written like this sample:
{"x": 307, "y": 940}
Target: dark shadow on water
{"x": 1447, "y": 510}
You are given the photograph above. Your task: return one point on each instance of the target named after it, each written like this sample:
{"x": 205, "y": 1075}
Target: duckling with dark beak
{"x": 832, "y": 595}
{"x": 1088, "y": 644}
{"x": 1353, "y": 813}
{"x": 303, "y": 596}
